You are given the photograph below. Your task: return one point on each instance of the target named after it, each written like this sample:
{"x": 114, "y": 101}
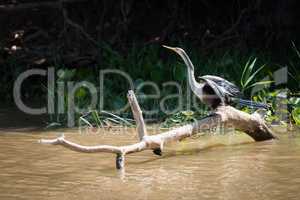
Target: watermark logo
{"x": 61, "y": 95}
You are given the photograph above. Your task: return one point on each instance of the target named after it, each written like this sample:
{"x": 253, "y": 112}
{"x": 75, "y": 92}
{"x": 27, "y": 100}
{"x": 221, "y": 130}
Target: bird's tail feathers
{"x": 253, "y": 104}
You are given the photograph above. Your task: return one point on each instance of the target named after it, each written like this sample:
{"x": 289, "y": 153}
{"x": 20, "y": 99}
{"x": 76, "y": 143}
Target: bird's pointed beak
{"x": 171, "y": 48}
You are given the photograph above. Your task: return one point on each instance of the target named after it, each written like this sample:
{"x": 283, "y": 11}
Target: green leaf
{"x": 294, "y": 100}
{"x": 244, "y": 72}
{"x": 259, "y": 83}
{"x": 96, "y": 118}
{"x": 296, "y": 50}
{"x": 80, "y": 93}
{"x": 250, "y": 68}
{"x": 247, "y": 71}
{"x": 253, "y": 75}
{"x": 296, "y": 115}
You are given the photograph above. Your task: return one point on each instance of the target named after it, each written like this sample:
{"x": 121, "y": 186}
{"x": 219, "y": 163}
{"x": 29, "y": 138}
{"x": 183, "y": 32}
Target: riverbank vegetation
{"x": 251, "y": 72}
{"x": 240, "y": 41}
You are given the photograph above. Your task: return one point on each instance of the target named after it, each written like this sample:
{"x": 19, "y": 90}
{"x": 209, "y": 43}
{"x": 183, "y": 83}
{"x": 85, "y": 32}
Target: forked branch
{"x": 253, "y": 125}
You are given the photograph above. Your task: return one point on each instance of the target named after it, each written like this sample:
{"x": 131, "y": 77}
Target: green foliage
{"x": 280, "y": 105}
{"x": 100, "y": 119}
{"x": 147, "y": 64}
{"x": 248, "y": 76}
{"x": 294, "y": 103}
{"x": 154, "y": 63}
{"x": 268, "y": 97}
{"x": 296, "y": 115}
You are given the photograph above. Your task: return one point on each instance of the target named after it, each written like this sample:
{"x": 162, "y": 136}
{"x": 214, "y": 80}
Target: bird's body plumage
{"x": 218, "y": 90}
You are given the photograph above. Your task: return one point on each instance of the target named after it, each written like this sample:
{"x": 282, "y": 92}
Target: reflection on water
{"x": 215, "y": 167}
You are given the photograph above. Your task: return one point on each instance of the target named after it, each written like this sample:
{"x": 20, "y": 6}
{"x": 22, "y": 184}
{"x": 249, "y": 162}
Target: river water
{"x": 207, "y": 167}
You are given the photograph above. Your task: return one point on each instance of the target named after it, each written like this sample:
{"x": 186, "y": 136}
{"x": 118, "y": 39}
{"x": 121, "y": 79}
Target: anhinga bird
{"x": 213, "y": 90}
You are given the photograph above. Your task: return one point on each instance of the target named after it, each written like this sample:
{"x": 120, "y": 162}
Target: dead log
{"x": 253, "y": 125}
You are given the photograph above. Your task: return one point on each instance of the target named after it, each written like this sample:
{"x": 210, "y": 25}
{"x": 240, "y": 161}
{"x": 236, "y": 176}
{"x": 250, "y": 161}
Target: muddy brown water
{"x": 207, "y": 167}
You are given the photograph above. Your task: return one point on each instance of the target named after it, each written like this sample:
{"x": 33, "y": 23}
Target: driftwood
{"x": 253, "y": 125}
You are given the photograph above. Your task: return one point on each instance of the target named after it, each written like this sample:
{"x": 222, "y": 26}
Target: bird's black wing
{"x": 225, "y": 87}
{"x": 217, "y": 90}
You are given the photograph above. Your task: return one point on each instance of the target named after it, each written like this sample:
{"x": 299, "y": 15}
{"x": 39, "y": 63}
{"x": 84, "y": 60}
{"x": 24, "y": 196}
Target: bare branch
{"x": 253, "y": 125}
{"x": 137, "y": 114}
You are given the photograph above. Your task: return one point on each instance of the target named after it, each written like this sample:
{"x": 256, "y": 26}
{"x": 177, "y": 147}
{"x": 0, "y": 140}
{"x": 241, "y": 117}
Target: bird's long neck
{"x": 190, "y": 70}
{"x": 191, "y": 77}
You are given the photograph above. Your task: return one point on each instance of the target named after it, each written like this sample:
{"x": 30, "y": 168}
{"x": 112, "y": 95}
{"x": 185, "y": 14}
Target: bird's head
{"x": 178, "y": 50}
{"x": 182, "y": 54}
